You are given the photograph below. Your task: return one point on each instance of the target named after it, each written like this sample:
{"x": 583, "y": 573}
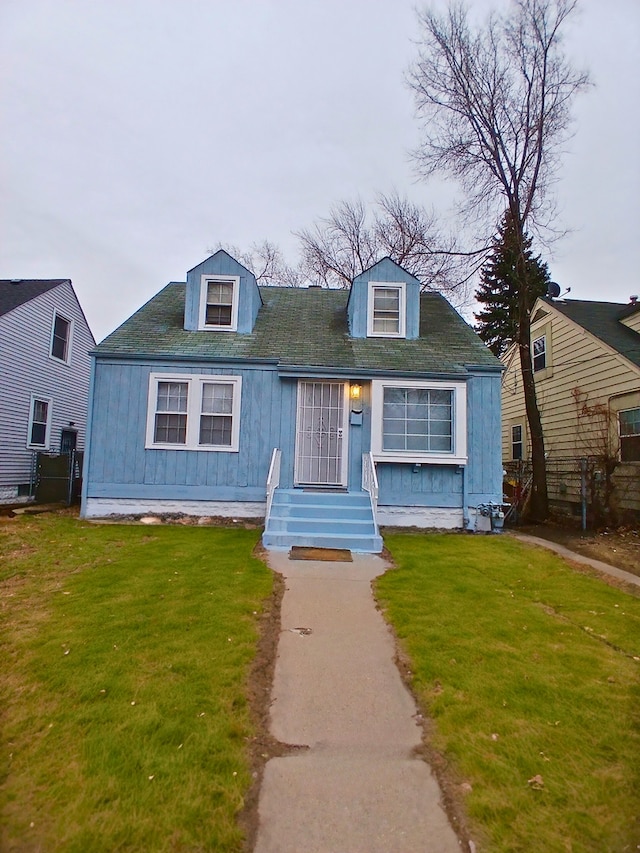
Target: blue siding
{"x": 119, "y": 466}
{"x": 118, "y": 457}
{"x": 384, "y": 270}
{"x": 403, "y": 484}
{"x": 223, "y": 264}
{"x": 484, "y": 475}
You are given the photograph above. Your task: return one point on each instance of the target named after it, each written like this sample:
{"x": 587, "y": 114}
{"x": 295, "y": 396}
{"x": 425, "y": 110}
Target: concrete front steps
{"x": 322, "y": 519}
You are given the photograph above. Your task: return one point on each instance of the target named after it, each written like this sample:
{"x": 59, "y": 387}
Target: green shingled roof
{"x": 602, "y": 319}
{"x": 298, "y": 328}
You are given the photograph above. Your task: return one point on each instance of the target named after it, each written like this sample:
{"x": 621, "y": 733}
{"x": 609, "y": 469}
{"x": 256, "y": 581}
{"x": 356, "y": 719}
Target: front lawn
{"x": 530, "y": 673}
{"x": 126, "y": 651}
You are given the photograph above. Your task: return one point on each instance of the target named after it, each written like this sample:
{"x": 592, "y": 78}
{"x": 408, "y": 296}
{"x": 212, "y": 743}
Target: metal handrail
{"x": 273, "y": 478}
{"x": 370, "y": 482}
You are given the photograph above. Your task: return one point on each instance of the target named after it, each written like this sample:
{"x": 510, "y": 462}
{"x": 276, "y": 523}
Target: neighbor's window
{"x": 39, "y": 423}
{"x": 630, "y": 435}
{"x": 194, "y": 412}
{"x": 219, "y": 303}
{"x": 61, "y": 338}
{"x": 414, "y": 421}
{"x": 540, "y": 353}
{"x": 385, "y": 316}
{"x": 516, "y": 442}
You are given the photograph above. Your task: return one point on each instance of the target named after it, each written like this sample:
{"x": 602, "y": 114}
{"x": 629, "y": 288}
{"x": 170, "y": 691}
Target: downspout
{"x": 465, "y": 507}
{"x": 87, "y": 440}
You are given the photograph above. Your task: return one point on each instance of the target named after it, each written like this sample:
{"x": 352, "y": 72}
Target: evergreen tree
{"x": 498, "y": 291}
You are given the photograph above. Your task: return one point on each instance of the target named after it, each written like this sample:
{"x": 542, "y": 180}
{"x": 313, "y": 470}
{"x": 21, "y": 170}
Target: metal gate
{"x": 320, "y": 448}
{"x": 58, "y": 477}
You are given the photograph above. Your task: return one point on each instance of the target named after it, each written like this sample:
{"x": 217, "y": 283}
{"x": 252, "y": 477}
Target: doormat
{"x": 332, "y": 555}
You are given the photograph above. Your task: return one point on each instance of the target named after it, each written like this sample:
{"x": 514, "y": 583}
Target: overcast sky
{"x": 137, "y": 134}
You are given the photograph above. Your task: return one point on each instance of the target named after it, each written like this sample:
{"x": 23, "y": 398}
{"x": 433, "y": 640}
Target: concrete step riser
{"x": 321, "y": 498}
{"x": 364, "y": 545}
{"x": 308, "y": 511}
{"x": 316, "y": 526}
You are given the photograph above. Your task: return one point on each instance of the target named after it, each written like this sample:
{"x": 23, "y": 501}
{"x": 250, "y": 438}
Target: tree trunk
{"x": 539, "y": 503}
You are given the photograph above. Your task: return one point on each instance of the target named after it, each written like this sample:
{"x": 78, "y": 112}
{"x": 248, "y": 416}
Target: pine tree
{"x": 498, "y": 291}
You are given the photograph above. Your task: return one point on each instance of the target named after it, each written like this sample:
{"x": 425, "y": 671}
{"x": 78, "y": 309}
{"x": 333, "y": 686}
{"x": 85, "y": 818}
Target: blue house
{"x": 329, "y": 412}
{"x": 44, "y": 377}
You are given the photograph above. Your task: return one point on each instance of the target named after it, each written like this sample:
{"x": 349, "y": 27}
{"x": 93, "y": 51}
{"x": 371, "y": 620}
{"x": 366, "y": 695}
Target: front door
{"x": 321, "y": 458}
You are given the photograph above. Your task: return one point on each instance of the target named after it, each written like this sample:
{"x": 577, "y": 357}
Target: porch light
{"x": 356, "y": 391}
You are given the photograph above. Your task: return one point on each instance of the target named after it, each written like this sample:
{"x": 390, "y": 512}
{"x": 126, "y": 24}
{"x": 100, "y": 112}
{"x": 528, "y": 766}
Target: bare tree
{"x": 351, "y": 238}
{"x": 266, "y": 262}
{"x": 494, "y": 102}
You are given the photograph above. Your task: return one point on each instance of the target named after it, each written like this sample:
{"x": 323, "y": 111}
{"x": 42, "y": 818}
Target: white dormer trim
{"x": 401, "y": 288}
{"x": 232, "y": 325}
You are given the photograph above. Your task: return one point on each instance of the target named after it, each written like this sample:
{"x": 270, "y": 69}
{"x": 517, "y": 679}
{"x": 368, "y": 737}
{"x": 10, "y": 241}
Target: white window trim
{"x": 458, "y": 456}
{"x": 542, "y": 337}
{"x": 202, "y": 313}
{"x": 621, "y": 437}
{"x": 66, "y": 360}
{"x": 401, "y": 287}
{"x": 194, "y": 398}
{"x": 47, "y": 439}
{"x": 522, "y": 441}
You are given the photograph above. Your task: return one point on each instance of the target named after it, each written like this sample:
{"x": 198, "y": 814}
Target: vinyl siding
{"x": 633, "y": 322}
{"x": 26, "y": 368}
{"x": 583, "y": 371}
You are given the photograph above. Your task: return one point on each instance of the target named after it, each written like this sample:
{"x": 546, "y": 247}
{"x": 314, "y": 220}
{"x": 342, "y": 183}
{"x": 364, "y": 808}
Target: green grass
{"x": 126, "y": 652}
{"x": 526, "y": 668}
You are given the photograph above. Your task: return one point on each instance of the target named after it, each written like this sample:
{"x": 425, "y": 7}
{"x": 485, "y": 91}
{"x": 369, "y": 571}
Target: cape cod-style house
{"x": 44, "y": 377}
{"x": 330, "y": 412}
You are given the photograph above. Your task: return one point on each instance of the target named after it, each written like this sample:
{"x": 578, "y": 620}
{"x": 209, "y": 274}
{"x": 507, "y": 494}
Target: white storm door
{"x": 321, "y": 458}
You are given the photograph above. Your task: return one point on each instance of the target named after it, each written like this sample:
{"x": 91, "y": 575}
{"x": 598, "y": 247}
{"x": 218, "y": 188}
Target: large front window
{"x": 630, "y": 435}
{"x": 417, "y": 421}
{"x": 194, "y": 412}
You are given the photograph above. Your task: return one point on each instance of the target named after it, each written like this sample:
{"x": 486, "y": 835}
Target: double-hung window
{"x": 517, "y": 443}
{"x": 419, "y": 422}
{"x": 39, "y": 423}
{"x": 386, "y": 310}
{"x": 219, "y": 302}
{"x": 194, "y": 412}
{"x": 539, "y": 353}
{"x": 629, "y": 435}
{"x": 61, "y": 338}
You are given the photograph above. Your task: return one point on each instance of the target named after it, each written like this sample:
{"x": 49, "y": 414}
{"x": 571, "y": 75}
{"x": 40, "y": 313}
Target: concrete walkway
{"x": 357, "y": 787}
{"x": 577, "y": 558}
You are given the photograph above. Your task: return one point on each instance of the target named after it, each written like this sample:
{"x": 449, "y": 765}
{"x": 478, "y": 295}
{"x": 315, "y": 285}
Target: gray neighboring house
{"x": 44, "y": 376}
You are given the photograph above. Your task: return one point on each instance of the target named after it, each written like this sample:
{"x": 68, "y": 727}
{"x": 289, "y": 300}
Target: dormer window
{"x": 219, "y": 303}
{"x": 386, "y": 314}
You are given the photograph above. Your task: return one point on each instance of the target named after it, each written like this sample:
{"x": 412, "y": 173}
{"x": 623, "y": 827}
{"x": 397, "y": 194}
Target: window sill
{"x": 421, "y": 458}
{"x": 198, "y": 448}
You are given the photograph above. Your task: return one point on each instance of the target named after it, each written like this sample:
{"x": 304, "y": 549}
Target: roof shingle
{"x": 16, "y": 292}
{"x": 299, "y": 327}
{"x": 602, "y": 319}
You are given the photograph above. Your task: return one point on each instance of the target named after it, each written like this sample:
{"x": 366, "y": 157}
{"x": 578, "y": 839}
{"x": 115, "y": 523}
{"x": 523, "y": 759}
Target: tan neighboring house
{"x": 586, "y": 361}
